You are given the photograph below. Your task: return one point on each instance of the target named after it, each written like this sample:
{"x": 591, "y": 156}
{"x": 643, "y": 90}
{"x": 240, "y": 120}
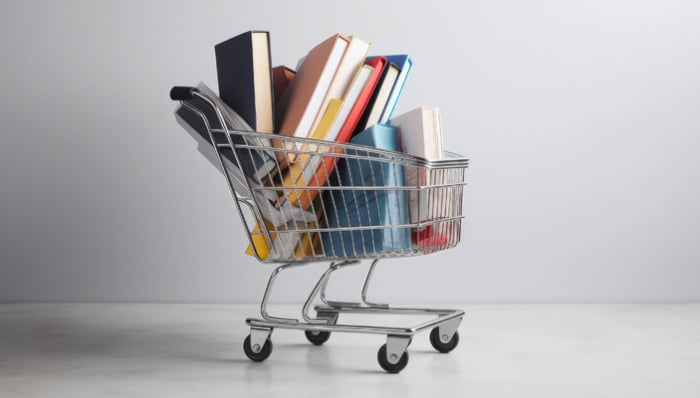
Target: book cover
{"x": 379, "y": 207}
{"x": 404, "y": 63}
{"x": 378, "y": 65}
{"x": 281, "y": 78}
{"x": 244, "y": 74}
{"x": 353, "y": 59}
{"x": 301, "y": 102}
{"x": 421, "y": 135}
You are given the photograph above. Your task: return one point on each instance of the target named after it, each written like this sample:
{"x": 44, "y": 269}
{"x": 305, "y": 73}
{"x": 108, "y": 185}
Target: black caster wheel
{"x": 391, "y": 367}
{"x": 257, "y": 356}
{"x": 441, "y": 346}
{"x": 317, "y": 338}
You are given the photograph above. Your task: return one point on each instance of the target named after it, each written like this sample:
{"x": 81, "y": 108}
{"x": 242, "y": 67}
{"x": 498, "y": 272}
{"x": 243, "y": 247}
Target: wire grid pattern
{"x": 311, "y": 200}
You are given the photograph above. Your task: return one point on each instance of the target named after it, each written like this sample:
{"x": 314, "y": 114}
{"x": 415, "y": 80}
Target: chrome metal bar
{"x": 390, "y": 310}
{"x": 449, "y": 318}
{"x": 268, "y": 290}
{"x": 365, "y": 287}
{"x": 457, "y": 314}
{"x": 451, "y": 160}
{"x": 323, "y": 280}
{"x": 334, "y": 303}
{"x": 323, "y": 327}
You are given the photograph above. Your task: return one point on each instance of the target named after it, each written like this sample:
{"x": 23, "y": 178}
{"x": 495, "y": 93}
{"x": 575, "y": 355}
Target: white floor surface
{"x": 154, "y": 350}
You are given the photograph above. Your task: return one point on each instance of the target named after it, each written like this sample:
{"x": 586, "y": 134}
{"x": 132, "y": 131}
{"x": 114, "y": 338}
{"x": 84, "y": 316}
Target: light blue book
{"x": 404, "y": 62}
{"x": 375, "y": 207}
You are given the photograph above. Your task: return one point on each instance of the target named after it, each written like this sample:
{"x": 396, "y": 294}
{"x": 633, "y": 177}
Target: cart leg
{"x": 320, "y": 286}
{"x": 332, "y": 303}
{"x": 365, "y": 287}
{"x": 268, "y": 290}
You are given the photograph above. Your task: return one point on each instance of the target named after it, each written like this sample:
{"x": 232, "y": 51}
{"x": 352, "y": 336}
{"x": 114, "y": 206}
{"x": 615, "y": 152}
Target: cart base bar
{"x": 392, "y": 356}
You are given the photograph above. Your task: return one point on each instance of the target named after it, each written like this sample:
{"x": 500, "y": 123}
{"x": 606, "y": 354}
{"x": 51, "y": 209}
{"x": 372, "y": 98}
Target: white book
{"x": 316, "y": 101}
{"x": 420, "y": 132}
{"x": 350, "y": 64}
{"x": 382, "y": 95}
{"x": 348, "y": 103}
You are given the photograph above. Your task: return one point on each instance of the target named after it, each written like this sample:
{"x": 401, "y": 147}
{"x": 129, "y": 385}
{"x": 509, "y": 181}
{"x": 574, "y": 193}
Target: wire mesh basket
{"x": 319, "y": 201}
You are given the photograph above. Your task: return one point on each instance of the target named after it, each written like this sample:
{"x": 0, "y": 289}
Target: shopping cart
{"x": 303, "y": 200}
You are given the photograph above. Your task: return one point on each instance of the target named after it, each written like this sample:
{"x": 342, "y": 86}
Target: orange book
{"x": 281, "y": 78}
{"x": 302, "y": 100}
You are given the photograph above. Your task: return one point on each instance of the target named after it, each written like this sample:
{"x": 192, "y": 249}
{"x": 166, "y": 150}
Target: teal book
{"x": 378, "y": 210}
{"x": 405, "y": 63}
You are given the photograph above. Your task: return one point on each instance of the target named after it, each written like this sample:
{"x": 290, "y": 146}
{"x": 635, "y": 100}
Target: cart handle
{"x": 181, "y": 93}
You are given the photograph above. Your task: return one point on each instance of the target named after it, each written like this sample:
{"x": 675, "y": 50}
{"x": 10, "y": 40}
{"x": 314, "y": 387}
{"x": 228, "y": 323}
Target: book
{"x": 378, "y": 65}
{"x": 313, "y": 170}
{"x": 306, "y": 171}
{"x": 421, "y": 135}
{"x": 244, "y": 74}
{"x": 287, "y": 242}
{"x": 301, "y": 102}
{"x": 380, "y": 211}
{"x": 377, "y": 102}
{"x": 421, "y": 132}
{"x": 281, "y": 77}
{"x": 259, "y": 242}
{"x": 404, "y": 63}
{"x": 328, "y": 120}
{"x": 350, "y": 64}
{"x": 349, "y": 100}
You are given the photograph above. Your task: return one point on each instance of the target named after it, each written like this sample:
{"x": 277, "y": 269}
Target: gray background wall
{"x": 580, "y": 117}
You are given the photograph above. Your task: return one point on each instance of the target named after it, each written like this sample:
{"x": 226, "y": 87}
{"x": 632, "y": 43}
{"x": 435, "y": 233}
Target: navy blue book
{"x": 244, "y": 72}
{"x": 375, "y": 207}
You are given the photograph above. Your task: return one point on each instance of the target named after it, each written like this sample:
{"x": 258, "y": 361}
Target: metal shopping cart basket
{"x": 304, "y": 200}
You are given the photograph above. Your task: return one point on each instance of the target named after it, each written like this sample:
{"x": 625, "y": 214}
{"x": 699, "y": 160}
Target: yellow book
{"x": 309, "y": 244}
{"x": 260, "y": 241}
{"x": 328, "y": 118}
{"x": 308, "y": 170}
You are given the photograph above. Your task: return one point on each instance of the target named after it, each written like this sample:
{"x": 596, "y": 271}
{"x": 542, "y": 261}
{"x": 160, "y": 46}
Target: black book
{"x": 379, "y": 98}
{"x": 244, "y": 72}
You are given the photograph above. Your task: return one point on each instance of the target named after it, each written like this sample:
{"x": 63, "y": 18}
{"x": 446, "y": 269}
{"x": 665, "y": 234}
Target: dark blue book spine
{"x": 235, "y": 74}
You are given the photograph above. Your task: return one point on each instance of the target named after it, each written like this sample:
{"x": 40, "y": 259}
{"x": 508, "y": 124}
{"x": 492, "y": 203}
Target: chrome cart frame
{"x": 292, "y": 231}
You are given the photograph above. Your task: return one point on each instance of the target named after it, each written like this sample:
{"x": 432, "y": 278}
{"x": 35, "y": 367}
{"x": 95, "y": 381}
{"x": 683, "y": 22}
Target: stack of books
{"x": 336, "y": 93}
